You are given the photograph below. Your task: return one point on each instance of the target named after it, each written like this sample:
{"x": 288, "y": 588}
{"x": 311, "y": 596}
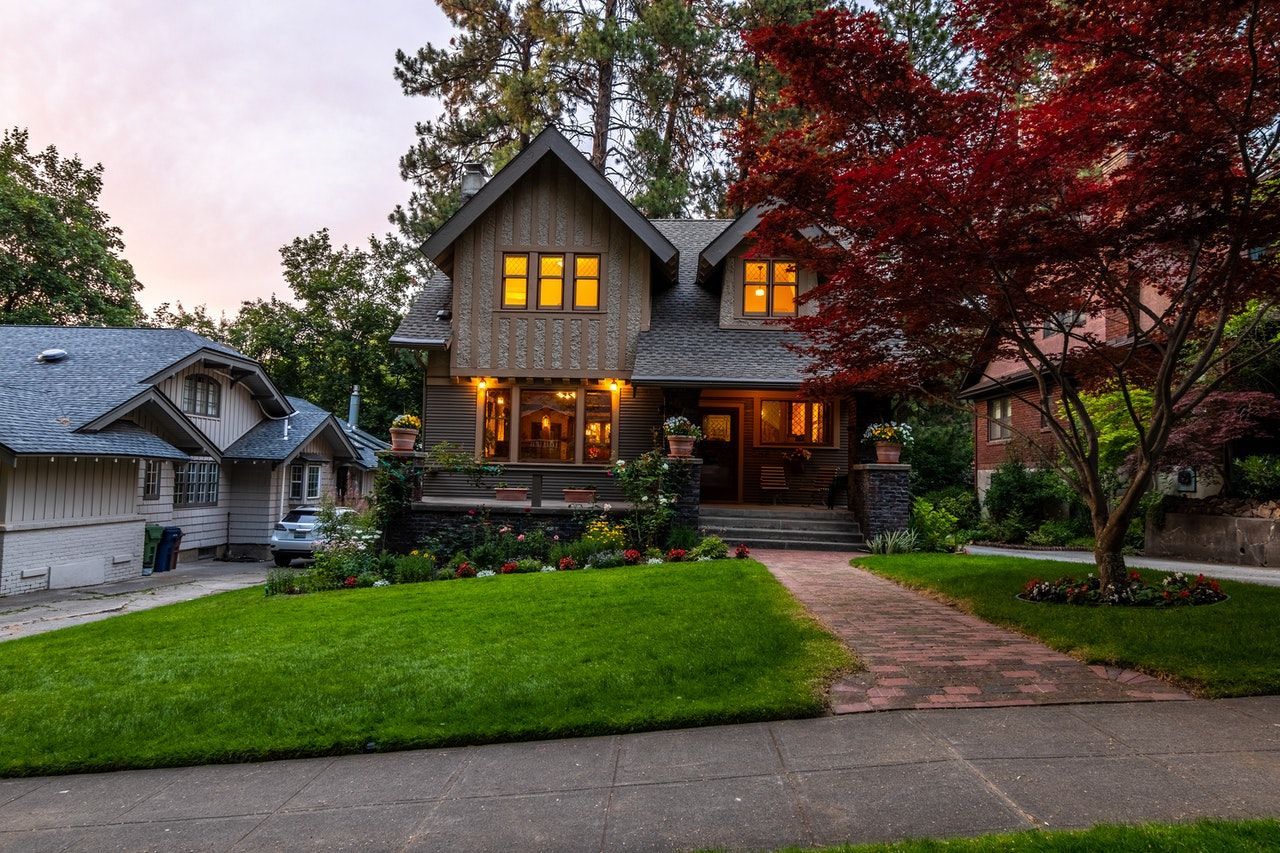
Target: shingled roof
{"x": 49, "y": 407}
{"x": 420, "y": 326}
{"x": 271, "y": 441}
{"x": 685, "y": 344}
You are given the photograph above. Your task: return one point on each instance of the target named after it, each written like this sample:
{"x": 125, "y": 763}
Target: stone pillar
{"x": 689, "y": 499}
{"x": 881, "y": 497}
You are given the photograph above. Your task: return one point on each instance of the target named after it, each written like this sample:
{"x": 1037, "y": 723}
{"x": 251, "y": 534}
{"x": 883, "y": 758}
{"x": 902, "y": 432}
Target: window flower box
{"x": 511, "y": 493}
{"x": 581, "y": 495}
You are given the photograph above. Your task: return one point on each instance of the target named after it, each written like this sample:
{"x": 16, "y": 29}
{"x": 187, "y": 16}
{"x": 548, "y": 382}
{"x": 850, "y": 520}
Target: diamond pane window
{"x": 551, "y": 281}
{"x": 515, "y": 281}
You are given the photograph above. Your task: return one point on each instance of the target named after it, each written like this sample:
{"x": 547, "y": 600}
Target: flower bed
{"x": 1176, "y": 590}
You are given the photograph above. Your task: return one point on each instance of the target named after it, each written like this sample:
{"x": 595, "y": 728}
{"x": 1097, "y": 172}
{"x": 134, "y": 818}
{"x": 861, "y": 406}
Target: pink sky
{"x": 226, "y": 128}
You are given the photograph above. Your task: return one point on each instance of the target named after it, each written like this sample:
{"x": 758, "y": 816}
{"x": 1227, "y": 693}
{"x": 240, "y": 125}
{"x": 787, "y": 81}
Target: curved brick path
{"x": 920, "y": 653}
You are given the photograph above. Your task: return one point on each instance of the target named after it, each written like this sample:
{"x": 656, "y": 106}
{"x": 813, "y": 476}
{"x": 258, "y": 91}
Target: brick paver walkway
{"x": 920, "y": 653}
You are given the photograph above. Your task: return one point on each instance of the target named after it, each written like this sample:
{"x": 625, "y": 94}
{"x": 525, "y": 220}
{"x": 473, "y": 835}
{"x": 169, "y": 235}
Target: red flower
{"x": 675, "y": 555}
{"x": 631, "y": 556}
{"x": 1186, "y": 593}
{"x": 350, "y": 581}
{"x": 742, "y": 552}
{"x": 471, "y": 512}
{"x": 465, "y": 570}
{"x": 568, "y": 564}
{"x": 509, "y": 567}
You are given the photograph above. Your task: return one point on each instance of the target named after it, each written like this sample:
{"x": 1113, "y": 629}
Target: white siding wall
{"x": 239, "y": 412}
{"x": 41, "y": 489}
{"x": 202, "y": 526}
{"x": 252, "y": 510}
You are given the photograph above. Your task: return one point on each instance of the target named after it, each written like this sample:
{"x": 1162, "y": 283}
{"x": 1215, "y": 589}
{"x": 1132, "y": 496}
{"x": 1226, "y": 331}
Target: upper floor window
{"x": 1000, "y": 419}
{"x": 1059, "y": 322}
{"x": 202, "y": 395}
{"x": 548, "y": 286}
{"x": 795, "y": 422}
{"x": 769, "y": 288}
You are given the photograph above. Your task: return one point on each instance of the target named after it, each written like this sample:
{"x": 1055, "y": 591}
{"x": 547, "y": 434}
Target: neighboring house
{"x": 105, "y": 430}
{"x": 564, "y": 325}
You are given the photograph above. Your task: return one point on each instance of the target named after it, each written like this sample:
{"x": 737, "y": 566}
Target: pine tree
{"x": 926, "y": 28}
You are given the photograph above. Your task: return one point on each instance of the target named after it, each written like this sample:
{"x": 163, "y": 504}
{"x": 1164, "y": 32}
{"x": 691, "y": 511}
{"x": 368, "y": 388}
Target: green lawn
{"x": 1210, "y": 835}
{"x": 1227, "y": 649}
{"x": 240, "y": 676}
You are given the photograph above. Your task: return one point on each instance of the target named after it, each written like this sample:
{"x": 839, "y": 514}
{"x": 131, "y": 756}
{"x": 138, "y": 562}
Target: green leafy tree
{"x": 925, "y": 27}
{"x": 60, "y": 258}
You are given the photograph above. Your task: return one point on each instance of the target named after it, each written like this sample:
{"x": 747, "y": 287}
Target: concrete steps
{"x": 783, "y": 527}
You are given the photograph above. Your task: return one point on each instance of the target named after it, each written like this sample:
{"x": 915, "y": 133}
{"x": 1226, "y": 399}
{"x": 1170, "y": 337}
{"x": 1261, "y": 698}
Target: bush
{"x": 282, "y": 582}
{"x": 958, "y": 501}
{"x": 606, "y": 560}
{"x": 712, "y": 547}
{"x": 414, "y": 567}
{"x": 367, "y": 579}
{"x": 527, "y": 565}
{"x": 893, "y": 542}
{"x": 1258, "y": 477}
{"x": 579, "y": 552}
{"x": 682, "y": 537}
{"x": 533, "y": 544}
{"x": 1053, "y": 533}
{"x": 1035, "y": 495}
{"x": 603, "y": 535}
{"x": 935, "y": 528}
{"x": 1012, "y": 529}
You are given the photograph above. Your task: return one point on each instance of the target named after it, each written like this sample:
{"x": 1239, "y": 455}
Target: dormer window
{"x": 769, "y": 288}
{"x": 202, "y": 396}
{"x": 551, "y": 280}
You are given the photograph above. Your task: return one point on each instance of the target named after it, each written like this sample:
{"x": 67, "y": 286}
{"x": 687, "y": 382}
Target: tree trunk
{"x": 1107, "y": 551}
{"x": 604, "y": 95}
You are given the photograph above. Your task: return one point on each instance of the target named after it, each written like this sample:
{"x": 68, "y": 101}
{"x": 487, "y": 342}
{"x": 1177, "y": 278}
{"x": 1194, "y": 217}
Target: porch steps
{"x": 783, "y": 527}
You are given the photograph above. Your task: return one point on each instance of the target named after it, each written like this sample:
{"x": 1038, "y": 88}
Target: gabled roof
{"x": 271, "y": 441}
{"x": 82, "y": 404}
{"x": 727, "y": 240}
{"x": 550, "y": 142}
{"x": 367, "y": 443}
{"x": 685, "y": 344}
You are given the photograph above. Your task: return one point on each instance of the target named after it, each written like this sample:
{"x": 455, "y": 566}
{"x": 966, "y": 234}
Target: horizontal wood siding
{"x": 548, "y": 210}
{"x": 450, "y": 415}
{"x": 252, "y": 513}
{"x": 639, "y": 416}
{"x": 239, "y": 412}
{"x": 43, "y": 489}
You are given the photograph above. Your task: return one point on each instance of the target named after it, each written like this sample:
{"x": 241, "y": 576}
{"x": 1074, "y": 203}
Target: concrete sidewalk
{"x": 1249, "y": 574}
{"x": 48, "y": 610}
{"x": 863, "y": 777}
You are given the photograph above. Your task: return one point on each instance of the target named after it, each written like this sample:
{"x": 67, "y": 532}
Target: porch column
{"x": 880, "y": 496}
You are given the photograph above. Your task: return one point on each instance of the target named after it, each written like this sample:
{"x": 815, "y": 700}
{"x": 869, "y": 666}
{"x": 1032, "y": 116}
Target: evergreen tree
{"x": 60, "y": 258}
{"x": 926, "y": 28}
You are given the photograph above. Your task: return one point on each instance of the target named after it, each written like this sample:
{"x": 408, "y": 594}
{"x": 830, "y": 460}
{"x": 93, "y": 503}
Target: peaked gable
{"x": 550, "y": 143}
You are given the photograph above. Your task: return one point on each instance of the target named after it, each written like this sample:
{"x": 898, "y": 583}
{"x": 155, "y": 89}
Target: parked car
{"x": 294, "y": 535}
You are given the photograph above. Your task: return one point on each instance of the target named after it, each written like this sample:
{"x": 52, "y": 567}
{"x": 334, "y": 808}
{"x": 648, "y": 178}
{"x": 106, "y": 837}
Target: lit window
{"x": 201, "y": 396}
{"x": 551, "y": 281}
{"x": 598, "y": 427}
{"x": 497, "y": 423}
{"x": 515, "y": 281}
{"x": 586, "y": 282}
{"x": 794, "y": 422}
{"x": 151, "y": 480}
{"x": 195, "y": 484}
{"x": 548, "y": 425}
{"x": 769, "y": 289}
{"x": 999, "y": 419}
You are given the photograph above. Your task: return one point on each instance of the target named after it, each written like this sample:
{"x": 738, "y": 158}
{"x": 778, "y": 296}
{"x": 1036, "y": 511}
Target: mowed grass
{"x": 1227, "y": 649}
{"x": 1247, "y": 836}
{"x": 239, "y": 676}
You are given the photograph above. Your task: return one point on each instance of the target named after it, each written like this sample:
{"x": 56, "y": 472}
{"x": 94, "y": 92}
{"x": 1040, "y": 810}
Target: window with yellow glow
{"x": 551, "y": 281}
{"x": 515, "y": 281}
{"x": 597, "y": 445}
{"x": 795, "y": 422}
{"x": 497, "y": 423}
{"x": 586, "y": 282}
{"x": 769, "y": 288}
{"x": 548, "y": 421}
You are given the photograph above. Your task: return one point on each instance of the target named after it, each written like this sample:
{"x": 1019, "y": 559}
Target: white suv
{"x": 295, "y": 534}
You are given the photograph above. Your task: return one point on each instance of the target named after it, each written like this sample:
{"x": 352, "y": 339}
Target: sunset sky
{"x": 226, "y": 127}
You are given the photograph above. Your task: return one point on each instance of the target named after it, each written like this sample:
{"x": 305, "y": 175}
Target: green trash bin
{"x": 149, "y": 543}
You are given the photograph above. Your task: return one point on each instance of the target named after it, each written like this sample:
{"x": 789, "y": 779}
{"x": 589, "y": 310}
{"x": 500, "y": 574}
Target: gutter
{"x": 720, "y": 381}
{"x": 426, "y": 343}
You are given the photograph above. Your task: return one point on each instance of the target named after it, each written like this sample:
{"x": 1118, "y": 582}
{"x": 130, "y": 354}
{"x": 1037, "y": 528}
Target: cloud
{"x": 226, "y": 129}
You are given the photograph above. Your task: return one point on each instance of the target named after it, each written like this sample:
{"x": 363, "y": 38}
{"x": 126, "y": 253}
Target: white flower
{"x": 664, "y": 466}
{"x": 547, "y": 569}
{"x": 704, "y": 559}
{"x": 608, "y": 507}
{"x": 382, "y": 582}
{"x": 655, "y": 561}
{"x": 487, "y": 573}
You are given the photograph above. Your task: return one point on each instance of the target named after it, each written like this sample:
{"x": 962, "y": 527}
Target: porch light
{"x": 482, "y": 385}
{"x": 613, "y": 385}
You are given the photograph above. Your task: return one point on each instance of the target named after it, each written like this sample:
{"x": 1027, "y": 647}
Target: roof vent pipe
{"x": 474, "y": 176}
{"x": 51, "y": 355}
{"x": 353, "y": 406}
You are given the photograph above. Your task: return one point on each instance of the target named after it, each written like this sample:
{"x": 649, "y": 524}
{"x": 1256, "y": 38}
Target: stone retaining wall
{"x": 1216, "y": 538}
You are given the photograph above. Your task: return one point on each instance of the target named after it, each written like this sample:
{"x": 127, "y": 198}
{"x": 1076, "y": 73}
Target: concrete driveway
{"x": 47, "y": 610}
{"x": 1249, "y": 574}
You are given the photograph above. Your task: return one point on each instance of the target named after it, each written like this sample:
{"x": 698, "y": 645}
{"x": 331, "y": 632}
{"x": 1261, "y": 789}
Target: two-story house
{"x": 563, "y": 326}
{"x": 105, "y": 430}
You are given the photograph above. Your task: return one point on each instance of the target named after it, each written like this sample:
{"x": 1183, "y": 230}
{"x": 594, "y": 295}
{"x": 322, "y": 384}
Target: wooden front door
{"x": 721, "y": 452}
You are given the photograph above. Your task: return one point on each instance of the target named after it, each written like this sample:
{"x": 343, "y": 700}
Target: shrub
{"x": 527, "y": 565}
{"x": 683, "y": 537}
{"x": 487, "y": 555}
{"x": 534, "y": 544}
{"x": 367, "y": 579}
{"x": 958, "y": 501}
{"x": 414, "y": 567}
{"x": 606, "y": 560}
{"x": 712, "y": 547}
{"x": 742, "y": 552}
{"x": 579, "y": 552}
{"x": 510, "y": 567}
{"x": 632, "y": 557}
{"x": 935, "y": 528}
{"x": 567, "y": 564}
{"x": 1013, "y": 529}
{"x": 893, "y": 542}
{"x": 603, "y": 535}
{"x": 1258, "y": 477}
{"x": 653, "y": 554}
{"x": 282, "y": 582}
{"x": 1036, "y": 495}
{"x": 1174, "y": 591}
{"x": 1053, "y": 532}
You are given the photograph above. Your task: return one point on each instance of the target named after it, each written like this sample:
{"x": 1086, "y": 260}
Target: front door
{"x": 721, "y": 444}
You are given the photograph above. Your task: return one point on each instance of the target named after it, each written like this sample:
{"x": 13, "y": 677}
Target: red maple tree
{"x": 1113, "y": 158}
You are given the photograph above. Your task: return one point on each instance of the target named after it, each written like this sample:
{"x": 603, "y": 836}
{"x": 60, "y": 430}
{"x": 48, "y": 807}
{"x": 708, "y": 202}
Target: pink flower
{"x": 556, "y": 538}
{"x": 520, "y": 538}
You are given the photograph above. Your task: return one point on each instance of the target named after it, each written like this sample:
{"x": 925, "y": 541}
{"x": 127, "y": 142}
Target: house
{"x": 103, "y": 431}
{"x": 563, "y": 326}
